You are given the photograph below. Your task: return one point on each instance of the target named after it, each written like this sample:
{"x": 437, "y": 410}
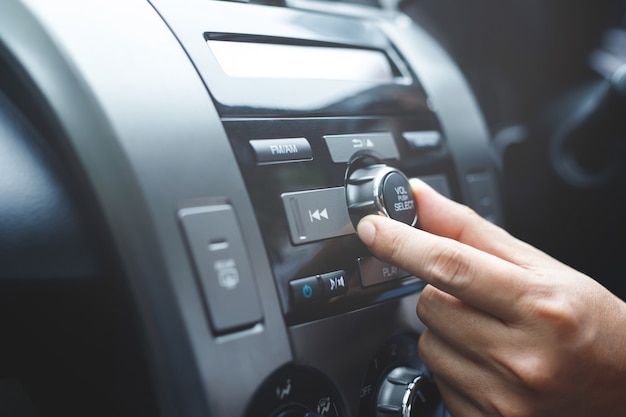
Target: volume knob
{"x": 377, "y": 188}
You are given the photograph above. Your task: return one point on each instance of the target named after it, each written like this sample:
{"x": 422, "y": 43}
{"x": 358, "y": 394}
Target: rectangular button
{"x": 374, "y": 271}
{"x": 423, "y": 140}
{"x": 317, "y": 214}
{"x": 334, "y": 283}
{"x": 221, "y": 262}
{"x": 305, "y": 290}
{"x": 342, "y": 147}
{"x": 281, "y": 150}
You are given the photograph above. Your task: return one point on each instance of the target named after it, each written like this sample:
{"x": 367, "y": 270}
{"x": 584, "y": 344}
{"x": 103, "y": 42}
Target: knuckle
{"x": 536, "y": 371}
{"x": 558, "y": 312}
{"x": 562, "y": 317}
{"x": 425, "y": 302}
{"x": 509, "y": 407}
{"x": 424, "y": 349}
{"x": 450, "y": 266}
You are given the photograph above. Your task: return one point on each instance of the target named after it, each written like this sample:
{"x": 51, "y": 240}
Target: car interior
{"x": 181, "y": 180}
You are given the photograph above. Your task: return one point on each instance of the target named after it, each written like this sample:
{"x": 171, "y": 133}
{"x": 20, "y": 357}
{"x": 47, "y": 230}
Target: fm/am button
{"x": 271, "y": 151}
{"x": 317, "y": 215}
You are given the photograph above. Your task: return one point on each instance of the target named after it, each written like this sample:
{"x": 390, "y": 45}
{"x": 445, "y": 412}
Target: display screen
{"x": 267, "y": 60}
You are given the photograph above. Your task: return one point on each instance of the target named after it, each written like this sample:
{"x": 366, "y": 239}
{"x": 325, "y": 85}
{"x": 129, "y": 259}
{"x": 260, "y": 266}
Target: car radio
{"x": 326, "y": 117}
{"x": 298, "y": 106}
{"x": 231, "y": 148}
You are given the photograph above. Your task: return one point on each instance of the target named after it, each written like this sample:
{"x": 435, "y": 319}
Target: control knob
{"x": 373, "y": 187}
{"x": 407, "y": 392}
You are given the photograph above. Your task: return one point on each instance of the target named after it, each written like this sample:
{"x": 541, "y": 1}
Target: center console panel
{"x": 300, "y": 95}
{"x": 230, "y": 131}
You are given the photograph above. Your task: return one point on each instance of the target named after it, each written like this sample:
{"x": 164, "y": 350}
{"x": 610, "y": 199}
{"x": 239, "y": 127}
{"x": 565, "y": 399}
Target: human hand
{"x": 510, "y": 330}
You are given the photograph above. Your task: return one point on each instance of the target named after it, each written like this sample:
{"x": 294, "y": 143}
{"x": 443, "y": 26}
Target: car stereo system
{"x": 233, "y": 148}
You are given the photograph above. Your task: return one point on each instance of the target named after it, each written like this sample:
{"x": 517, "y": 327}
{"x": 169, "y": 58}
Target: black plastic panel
{"x": 268, "y": 185}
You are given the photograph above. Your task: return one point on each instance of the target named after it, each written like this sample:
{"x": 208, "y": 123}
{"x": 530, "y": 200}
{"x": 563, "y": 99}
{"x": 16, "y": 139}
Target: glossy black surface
{"x": 263, "y": 95}
{"x": 266, "y": 183}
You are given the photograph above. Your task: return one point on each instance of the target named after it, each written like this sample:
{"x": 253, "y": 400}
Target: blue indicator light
{"x": 307, "y": 291}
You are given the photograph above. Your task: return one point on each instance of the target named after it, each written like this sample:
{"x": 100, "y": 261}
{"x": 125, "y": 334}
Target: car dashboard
{"x": 178, "y": 207}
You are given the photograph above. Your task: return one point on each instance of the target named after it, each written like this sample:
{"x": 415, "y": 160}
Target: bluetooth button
{"x": 334, "y": 283}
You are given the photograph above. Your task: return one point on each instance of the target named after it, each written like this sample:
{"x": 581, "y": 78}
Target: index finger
{"x": 483, "y": 280}
{"x": 444, "y": 217}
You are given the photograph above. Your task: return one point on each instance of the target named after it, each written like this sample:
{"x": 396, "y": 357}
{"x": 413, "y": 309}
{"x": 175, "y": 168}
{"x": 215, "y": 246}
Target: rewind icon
{"x": 318, "y": 215}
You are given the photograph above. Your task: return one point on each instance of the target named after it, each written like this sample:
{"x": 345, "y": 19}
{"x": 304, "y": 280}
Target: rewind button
{"x": 317, "y": 214}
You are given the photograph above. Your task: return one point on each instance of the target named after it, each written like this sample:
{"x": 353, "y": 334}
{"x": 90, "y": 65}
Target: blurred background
{"x": 547, "y": 77}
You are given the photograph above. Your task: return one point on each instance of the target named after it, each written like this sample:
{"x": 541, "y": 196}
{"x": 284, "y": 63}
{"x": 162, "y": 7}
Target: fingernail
{"x": 366, "y": 231}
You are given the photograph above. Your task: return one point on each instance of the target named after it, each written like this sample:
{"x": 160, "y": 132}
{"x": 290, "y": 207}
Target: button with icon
{"x": 315, "y": 215}
{"x": 305, "y": 290}
{"x": 334, "y": 283}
